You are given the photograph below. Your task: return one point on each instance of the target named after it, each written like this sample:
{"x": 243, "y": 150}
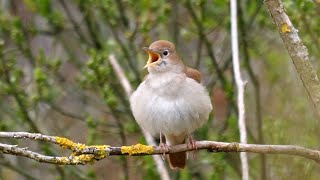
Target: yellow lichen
{"x": 89, "y": 158}
{"x": 83, "y": 158}
{"x": 285, "y": 28}
{"x": 102, "y": 151}
{"x": 235, "y": 145}
{"x": 74, "y": 153}
{"x": 238, "y": 147}
{"x": 63, "y": 160}
{"x": 66, "y": 143}
{"x": 77, "y": 148}
{"x": 137, "y": 149}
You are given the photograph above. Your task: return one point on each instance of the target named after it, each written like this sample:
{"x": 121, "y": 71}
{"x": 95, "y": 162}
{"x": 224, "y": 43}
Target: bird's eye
{"x": 165, "y": 52}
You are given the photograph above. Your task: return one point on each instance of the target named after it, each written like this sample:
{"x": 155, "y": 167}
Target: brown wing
{"x": 193, "y": 74}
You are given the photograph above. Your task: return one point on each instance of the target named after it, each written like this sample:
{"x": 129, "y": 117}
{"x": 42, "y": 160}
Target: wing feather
{"x": 193, "y": 74}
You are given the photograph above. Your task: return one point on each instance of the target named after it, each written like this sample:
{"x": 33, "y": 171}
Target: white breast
{"x": 171, "y": 103}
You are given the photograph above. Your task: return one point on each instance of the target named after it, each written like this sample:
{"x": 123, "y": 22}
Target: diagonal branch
{"x": 296, "y": 49}
{"x": 206, "y": 42}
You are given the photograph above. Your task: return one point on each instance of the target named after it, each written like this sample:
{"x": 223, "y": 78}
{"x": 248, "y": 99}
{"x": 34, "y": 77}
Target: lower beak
{"x": 153, "y": 57}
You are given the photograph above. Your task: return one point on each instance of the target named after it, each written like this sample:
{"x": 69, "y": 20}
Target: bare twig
{"x": 240, "y": 86}
{"x": 296, "y": 49}
{"x": 83, "y": 154}
{"x": 91, "y": 25}
{"x": 206, "y": 42}
{"x": 123, "y": 14}
{"x": 128, "y": 89}
{"x": 126, "y": 52}
{"x": 121, "y": 75}
{"x": 76, "y": 27}
{"x": 175, "y": 21}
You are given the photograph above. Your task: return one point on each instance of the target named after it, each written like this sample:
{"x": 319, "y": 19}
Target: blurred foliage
{"x": 55, "y": 78}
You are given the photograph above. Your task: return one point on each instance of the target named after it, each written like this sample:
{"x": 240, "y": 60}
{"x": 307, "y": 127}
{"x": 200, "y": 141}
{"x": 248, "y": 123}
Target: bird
{"x": 171, "y": 100}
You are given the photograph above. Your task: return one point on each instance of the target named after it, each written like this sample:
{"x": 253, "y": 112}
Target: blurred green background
{"x": 55, "y": 78}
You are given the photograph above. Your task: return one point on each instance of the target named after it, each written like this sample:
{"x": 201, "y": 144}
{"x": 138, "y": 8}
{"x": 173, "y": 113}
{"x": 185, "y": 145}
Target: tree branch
{"x": 83, "y": 154}
{"x": 296, "y": 49}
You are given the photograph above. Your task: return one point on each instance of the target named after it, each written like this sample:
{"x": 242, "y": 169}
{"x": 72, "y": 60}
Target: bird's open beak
{"x": 153, "y": 57}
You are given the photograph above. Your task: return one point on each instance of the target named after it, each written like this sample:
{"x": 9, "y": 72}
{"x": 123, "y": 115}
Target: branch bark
{"x": 83, "y": 154}
{"x": 296, "y": 49}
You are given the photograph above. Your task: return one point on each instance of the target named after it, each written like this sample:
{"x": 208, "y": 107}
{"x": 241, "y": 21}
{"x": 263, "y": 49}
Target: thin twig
{"x": 202, "y": 35}
{"x": 90, "y": 25}
{"x": 76, "y": 27}
{"x": 122, "y": 11}
{"x": 240, "y": 86}
{"x": 121, "y": 75}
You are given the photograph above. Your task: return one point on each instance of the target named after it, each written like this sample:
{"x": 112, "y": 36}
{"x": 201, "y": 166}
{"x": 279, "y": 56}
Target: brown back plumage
{"x": 193, "y": 74}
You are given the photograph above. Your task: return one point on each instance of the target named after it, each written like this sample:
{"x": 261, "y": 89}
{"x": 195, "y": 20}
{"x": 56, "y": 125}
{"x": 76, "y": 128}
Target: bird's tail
{"x": 176, "y": 160}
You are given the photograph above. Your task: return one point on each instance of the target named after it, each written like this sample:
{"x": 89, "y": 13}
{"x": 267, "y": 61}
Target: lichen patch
{"x": 137, "y": 149}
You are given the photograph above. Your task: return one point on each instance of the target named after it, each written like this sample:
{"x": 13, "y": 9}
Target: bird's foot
{"x": 192, "y": 143}
{"x": 163, "y": 148}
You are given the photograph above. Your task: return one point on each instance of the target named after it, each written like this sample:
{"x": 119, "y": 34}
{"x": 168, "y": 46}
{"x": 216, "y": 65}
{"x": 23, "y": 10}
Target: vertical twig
{"x": 123, "y": 14}
{"x": 175, "y": 22}
{"x": 128, "y": 89}
{"x": 91, "y": 25}
{"x": 240, "y": 86}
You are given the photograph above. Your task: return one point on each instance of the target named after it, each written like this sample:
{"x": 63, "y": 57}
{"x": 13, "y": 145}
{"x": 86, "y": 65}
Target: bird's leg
{"x": 163, "y": 146}
{"x": 192, "y": 143}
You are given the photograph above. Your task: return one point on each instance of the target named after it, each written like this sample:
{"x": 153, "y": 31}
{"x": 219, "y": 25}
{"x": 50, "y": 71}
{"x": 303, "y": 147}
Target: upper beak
{"x": 153, "y": 57}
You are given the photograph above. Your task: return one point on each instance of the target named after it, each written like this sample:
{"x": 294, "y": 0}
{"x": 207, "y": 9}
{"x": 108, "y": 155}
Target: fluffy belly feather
{"x": 172, "y": 107}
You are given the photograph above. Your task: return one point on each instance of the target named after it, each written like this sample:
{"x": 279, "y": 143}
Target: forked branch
{"x": 83, "y": 154}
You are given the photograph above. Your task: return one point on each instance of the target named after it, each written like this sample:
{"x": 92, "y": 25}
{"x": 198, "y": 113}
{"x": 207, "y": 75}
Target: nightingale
{"x": 171, "y": 100}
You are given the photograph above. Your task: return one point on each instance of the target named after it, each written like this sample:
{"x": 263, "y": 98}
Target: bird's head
{"x": 163, "y": 58}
